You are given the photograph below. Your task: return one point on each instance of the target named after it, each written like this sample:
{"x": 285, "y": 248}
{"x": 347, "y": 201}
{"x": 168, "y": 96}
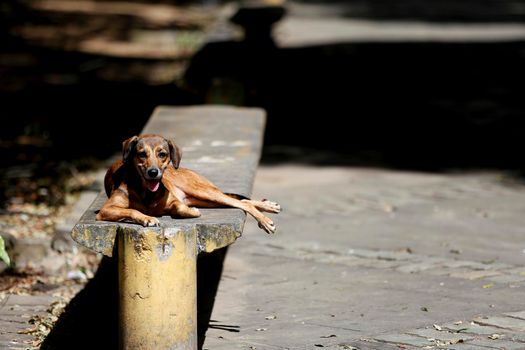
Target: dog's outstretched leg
{"x": 196, "y": 190}
{"x": 264, "y": 205}
{"x": 215, "y": 198}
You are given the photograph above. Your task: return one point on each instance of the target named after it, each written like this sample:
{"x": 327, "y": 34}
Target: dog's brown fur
{"x": 148, "y": 182}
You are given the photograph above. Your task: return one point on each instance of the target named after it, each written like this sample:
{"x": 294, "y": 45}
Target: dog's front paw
{"x": 187, "y": 212}
{"x": 194, "y": 212}
{"x": 271, "y": 207}
{"x": 267, "y": 225}
{"x": 150, "y": 221}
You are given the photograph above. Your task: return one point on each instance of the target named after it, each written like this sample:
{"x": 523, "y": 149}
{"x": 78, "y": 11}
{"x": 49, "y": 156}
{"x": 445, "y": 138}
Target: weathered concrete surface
{"x": 157, "y": 290}
{"x": 374, "y": 258}
{"x": 221, "y": 143}
{"x": 100, "y": 236}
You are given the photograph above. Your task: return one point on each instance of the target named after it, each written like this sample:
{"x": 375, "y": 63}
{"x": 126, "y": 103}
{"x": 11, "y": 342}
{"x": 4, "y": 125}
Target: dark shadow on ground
{"x": 419, "y": 105}
{"x": 209, "y": 267}
{"x": 90, "y": 320}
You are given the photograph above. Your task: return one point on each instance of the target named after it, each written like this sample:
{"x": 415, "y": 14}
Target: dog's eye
{"x": 162, "y": 155}
{"x": 142, "y": 154}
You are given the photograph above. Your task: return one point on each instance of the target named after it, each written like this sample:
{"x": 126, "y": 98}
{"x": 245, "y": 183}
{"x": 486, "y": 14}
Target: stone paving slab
{"x": 365, "y": 345}
{"x": 472, "y": 328}
{"x": 444, "y": 336}
{"x": 495, "y": 344}
{"x": 519, "y": 314}
{"x": 403, "y": 339}
{"x": 15, "y": 313}
{"x": 469, "y": 347}
{"x": 502, "y": 322}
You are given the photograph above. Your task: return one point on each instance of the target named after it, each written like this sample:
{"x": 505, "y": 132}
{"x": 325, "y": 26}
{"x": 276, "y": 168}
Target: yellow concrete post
{"x": 157, "y": 289}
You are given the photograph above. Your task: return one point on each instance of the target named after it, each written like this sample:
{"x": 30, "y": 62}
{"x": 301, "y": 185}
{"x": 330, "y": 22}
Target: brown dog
{"x": 148, "y": 182}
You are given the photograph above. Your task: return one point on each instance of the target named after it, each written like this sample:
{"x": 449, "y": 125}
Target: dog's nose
{"x": 153, "y": 172}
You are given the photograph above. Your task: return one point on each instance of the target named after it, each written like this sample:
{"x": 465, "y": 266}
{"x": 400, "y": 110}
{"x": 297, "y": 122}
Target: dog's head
{"x": 150, "y": 155}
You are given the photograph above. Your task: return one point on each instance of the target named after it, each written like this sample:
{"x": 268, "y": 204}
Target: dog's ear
{"x": 128, "y": 146}
{"x": 175, "y": 154}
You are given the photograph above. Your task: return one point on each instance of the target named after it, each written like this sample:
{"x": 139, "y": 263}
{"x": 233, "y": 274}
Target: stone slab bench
{"x": 157, "y": 265}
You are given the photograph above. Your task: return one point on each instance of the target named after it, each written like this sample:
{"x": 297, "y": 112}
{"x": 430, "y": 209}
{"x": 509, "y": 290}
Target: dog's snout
{"x": 153, "y": 172}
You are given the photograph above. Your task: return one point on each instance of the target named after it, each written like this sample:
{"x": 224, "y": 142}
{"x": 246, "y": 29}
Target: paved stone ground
{"x": 377, "y": 259}
{"x": 16, "y": 312}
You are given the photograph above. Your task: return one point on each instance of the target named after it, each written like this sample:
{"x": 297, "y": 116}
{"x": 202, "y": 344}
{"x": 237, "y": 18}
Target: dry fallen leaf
{"x": 28, "y": 331}
{"x": 456, "y": 341}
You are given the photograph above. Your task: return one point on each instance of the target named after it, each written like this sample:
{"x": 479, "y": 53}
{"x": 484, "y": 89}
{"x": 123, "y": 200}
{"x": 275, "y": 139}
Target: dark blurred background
{"x": 420, "y": 84}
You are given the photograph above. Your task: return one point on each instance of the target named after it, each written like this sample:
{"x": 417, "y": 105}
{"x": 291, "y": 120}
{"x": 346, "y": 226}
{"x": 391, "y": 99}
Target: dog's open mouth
{"x": 153, "y": 185}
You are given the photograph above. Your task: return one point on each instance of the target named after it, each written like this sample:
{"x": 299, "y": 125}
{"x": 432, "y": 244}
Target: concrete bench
{"x": 157, "y": 265}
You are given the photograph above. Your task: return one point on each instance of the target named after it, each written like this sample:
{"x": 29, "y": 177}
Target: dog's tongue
{"x": 153, "y": 186}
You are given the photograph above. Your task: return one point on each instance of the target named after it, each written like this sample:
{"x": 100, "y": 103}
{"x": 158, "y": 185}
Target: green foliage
{"x": 3, "y": 254}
